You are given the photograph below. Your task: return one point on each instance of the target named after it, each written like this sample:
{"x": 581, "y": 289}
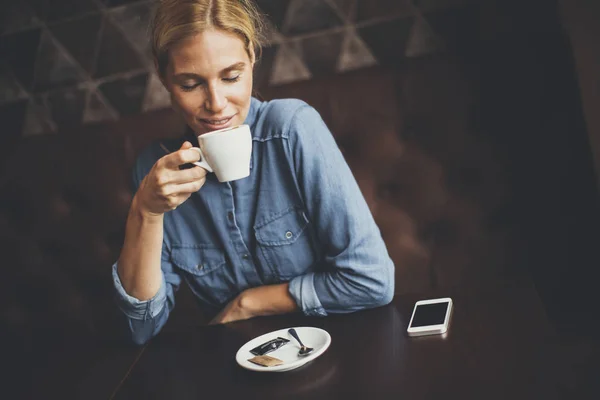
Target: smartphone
{"x": 430, "y": 317}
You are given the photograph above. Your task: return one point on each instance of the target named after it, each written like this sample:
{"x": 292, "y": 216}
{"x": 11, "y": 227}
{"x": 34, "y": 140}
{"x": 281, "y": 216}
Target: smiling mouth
{"x": 216, "y": 122}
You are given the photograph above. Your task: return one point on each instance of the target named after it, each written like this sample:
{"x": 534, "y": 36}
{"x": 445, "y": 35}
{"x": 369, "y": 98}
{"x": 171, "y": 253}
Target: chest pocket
{"x": 206, "y": 270}
{"x": 284, "y": 243}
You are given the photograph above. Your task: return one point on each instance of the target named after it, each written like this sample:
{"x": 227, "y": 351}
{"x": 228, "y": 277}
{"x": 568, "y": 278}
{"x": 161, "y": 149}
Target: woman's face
{"x": 209, "y": 77}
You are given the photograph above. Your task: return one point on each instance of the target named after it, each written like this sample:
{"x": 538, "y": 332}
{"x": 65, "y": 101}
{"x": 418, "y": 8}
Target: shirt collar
{"x": 252, "y": 112}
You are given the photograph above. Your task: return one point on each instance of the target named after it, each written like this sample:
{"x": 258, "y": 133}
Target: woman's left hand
{"x": 233, "y": 311}
{"x": 257, "y": 301}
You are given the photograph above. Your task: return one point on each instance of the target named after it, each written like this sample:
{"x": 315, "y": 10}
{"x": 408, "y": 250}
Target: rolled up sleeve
{"x": 302, "y": 289}
{"x": 146, "y": 318}
{"x": 138, "y": 309}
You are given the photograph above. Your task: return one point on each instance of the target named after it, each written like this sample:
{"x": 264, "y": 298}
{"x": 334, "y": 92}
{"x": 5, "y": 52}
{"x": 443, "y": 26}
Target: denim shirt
{"x": 299, "y": 217}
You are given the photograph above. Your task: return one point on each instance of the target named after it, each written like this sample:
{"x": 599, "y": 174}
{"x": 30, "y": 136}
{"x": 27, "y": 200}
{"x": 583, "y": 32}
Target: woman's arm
{"x": 139, "y": 262}
{"x": 359, "y": 273}
{"x": 138, "y": 275}
{"x": 258, "y": 301}
{"x": 163, "y": 189}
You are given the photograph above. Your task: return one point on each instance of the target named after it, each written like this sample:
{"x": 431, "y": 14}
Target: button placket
{"x": 244, "y": 257}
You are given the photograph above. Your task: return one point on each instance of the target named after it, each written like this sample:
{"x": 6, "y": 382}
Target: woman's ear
{"x": 252, "y": 57}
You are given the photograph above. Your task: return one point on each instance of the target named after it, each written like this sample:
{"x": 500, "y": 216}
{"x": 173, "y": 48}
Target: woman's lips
{"x": 216, "y": 123}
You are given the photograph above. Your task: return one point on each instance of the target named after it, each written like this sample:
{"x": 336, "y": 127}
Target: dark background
{"x": 68, "y": 63}
{"x": 71, "y": 62}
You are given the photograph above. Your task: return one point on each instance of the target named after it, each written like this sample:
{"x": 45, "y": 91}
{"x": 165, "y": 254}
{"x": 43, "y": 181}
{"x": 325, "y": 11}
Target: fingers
{"x": 187, "y": 175}
{"x": 172, "y": 196}
{"x": 168, "y": 167}
{"x": 173, "y": 190}
{"x": 185, "y": 155}
{"x": 174, "y": 201}
{"x": 189, "y": 187}
{"x": 166, "y": 186}
{"x": 167, "y": 183}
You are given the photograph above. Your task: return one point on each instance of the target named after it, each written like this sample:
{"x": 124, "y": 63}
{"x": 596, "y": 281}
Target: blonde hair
{"x": 175, "y": 20}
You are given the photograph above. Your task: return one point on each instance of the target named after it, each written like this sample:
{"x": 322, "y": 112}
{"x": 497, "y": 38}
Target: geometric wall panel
{"x": 69, "y": 62}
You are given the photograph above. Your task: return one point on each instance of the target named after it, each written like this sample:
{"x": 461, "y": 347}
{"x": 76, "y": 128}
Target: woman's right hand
{"x": 166, "y": 186}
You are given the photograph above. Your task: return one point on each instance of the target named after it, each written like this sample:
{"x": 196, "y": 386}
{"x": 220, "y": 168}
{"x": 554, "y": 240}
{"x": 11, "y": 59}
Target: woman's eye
{"x": 187, "y": 88}
{"x": 232, "y": 79}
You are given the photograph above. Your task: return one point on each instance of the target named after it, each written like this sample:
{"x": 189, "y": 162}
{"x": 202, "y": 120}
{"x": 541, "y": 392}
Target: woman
{"x": 295, "y": 235}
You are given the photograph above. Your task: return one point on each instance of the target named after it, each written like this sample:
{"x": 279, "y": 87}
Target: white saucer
{"x": 316, "y": 338}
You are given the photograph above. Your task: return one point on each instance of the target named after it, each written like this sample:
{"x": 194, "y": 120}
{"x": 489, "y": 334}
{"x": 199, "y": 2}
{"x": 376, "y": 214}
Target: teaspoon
{"x": 304, "y": 351}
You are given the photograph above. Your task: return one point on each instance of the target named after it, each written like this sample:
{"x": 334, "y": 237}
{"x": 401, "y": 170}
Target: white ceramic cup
{"x": 226, "y": 152}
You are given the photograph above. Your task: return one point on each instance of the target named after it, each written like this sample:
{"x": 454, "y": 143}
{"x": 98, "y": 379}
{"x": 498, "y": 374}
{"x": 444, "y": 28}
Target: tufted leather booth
{"x": 434, "y": 185}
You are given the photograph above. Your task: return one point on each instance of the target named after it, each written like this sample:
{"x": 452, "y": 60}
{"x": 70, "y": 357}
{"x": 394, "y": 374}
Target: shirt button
{"x": 230, "y": 216}
{"x": 245, "y": 256}
{"x": 288, "y": 235}
{"x": 200, "y": 267}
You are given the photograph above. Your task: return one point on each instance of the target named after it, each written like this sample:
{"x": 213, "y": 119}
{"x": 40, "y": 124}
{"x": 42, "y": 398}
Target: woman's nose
{"x": 216, "y": 100}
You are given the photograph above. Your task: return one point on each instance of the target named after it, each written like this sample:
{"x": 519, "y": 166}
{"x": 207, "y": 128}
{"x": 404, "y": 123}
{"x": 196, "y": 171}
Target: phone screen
{"x": 430, "y": 314}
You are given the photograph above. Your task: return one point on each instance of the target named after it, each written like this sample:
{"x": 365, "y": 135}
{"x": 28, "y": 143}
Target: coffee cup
{"x": 226, "y": 152}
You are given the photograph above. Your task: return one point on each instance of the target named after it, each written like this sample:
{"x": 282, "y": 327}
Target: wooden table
{"x": 499, "y": 346}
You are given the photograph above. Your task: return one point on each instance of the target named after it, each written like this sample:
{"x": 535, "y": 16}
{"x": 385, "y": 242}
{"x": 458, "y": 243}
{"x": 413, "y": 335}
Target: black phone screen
{"x": 430, "y": 314}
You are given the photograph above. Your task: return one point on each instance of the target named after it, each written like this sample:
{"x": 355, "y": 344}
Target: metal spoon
{"x": 304, "y": 351}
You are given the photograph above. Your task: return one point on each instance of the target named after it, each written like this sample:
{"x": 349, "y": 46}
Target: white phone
{"x": 430, "y": 317}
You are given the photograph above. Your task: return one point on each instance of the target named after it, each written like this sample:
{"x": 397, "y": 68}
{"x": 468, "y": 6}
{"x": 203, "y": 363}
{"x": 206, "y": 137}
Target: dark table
{"x": 68, "y": 369}
{"x": 500, "y": 345}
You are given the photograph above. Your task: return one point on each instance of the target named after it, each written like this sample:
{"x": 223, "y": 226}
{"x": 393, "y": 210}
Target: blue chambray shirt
{"x": 299, "y": 217}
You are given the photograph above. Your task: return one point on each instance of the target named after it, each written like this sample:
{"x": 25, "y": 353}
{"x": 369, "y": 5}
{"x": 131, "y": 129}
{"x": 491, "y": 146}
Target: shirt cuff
{"x": 138, "y": 309}
{"x": 302, "y": 289}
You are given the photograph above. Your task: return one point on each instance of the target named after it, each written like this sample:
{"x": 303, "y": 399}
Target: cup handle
{"x": 202, "y": 163}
